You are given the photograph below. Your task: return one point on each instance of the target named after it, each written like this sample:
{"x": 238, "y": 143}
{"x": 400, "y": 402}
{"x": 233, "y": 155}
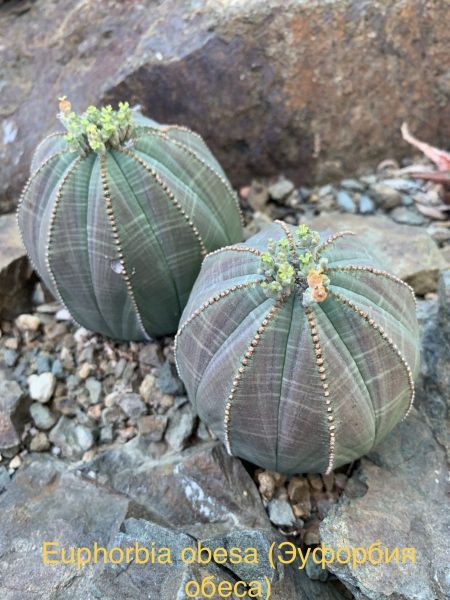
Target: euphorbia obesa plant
{"x": 300, "y": 353}
{"x": 118, "y": 214}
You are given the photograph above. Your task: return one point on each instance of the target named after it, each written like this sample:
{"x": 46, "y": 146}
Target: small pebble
{"x": 386, "y": 196}
{"x": 152, "y": 427}
{"x": 42, "y": 416}
{"x": 315, "y": 481}
{"x": 147, "y": 387}
{"x": 366, "y": 205}
{"x": 325, "y": 190}
{"x": 168, "y": 381}
{"x": 4, "y": 479}
{"x": 133, "y": 406}
{"x": 10, "y": 357}
{"x": 353, "y": 185}
{"x": 84, "y": 371}
{"x": 42, "y": 386}
{"x": 340, "y": 480}
{"x": 57, "y": 369}
{"x": 180, "y": 428}
{"x": 94, "y": 388}
{"x": 43, "y": 363}
{"x": 281, "y": 189}
{"x": 298, "y": 489}
{"x": 112, "y": 415}
{"x": 266, "y": 484}
{"x": 28, "y": 322}
{"x": 311, "y": 536}
{"x": 407, "y": 216}
{"x": 15, "y": 462}
{"x": 12, "y": 343}
{"x": 39, "y": 443}
{"x": 314, "y": 570}
{"x": 346, "y": 202}
{"x": 280, "y": 513}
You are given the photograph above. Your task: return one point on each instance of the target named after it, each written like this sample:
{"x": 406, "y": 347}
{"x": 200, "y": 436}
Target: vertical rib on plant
{"x": 118, "y": 214}
{"x": 299, "y": 353}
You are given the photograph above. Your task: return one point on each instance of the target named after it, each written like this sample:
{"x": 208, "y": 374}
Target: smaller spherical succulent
{"x": 299, "y": 352}
{"x": 118, "y": 214}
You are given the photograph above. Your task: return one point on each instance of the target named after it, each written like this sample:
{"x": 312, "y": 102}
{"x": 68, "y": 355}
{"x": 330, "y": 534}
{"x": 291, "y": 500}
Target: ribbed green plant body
{"x": 118, "y": 235}
{"x": 292, "y": 384}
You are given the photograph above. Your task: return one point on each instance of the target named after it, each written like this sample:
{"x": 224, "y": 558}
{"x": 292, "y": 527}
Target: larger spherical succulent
{"x": 300, "y": 354}
{"x": 117, "y": 216}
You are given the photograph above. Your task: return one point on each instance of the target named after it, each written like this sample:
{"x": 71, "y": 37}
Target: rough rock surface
{"x": 398, "y": 494}
{"x": 16, "y": 275}
{"x": 433, "y": 397}
{"x": 403, "y": 504}
{"x": 47, "y": 501}
{"x": 408, "y": 252}
{"x": 309, "y": 88}
{"x": 202, "y": 490}
{"x": 11, "y": 409}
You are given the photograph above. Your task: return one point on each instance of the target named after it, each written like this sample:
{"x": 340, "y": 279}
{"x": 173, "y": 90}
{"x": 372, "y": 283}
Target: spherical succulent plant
{"x": 118, "y": 214}
{"x": 300, "y": 354}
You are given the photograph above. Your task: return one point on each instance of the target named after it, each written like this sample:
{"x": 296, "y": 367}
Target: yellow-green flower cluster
{"x": 288, "y": 264}
{"x": 97, "y": 128}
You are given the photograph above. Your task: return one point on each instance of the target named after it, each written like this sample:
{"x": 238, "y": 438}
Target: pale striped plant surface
{"x": 118, "y": 215}
{"x": 300, "y": 353}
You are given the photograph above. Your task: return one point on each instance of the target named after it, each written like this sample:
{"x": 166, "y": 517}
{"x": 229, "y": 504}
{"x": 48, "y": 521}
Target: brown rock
{"x": 65, "y": 405}
{"x": 311, "y": 535}
{"x": 147, "y": 388}
{"x": 40, "y": 442}
{"x": 266, "y": 484}
{"x": 258, "y": 196}
{"x": 16, "y": 274}
{"x": 386, "y": 196}
{"x": 315, "y": 481}
{"x": 328, "y": 481}
{"x": 322, "y": 502}
{"x": 27, "y": 322}
{"x": 85, "y": 370}
{"x": 298, "y": 489}
{"x": 152, "y": 427}
{"x": 302, "y": 510}
{"x": 299, "y": 495}
{"x": 341, "y": 481}
{"x": 307, "y": 88}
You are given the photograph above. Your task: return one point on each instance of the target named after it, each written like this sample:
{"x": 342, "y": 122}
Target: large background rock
{"x": 406, "y": 251}
{"x": 307, "y": 87}
{"x": 16, "y": 275}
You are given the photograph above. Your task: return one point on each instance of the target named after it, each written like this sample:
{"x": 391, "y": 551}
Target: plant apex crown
{"x": 97, "y": 128}
{"x": 293, "y": 264}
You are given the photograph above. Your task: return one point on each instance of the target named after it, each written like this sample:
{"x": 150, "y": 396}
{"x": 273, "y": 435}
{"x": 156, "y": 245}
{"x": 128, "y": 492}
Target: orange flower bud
{"x": 319, "y": 293}
{"x": 314, "y": 278}
{"x": 64, "y": 105}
